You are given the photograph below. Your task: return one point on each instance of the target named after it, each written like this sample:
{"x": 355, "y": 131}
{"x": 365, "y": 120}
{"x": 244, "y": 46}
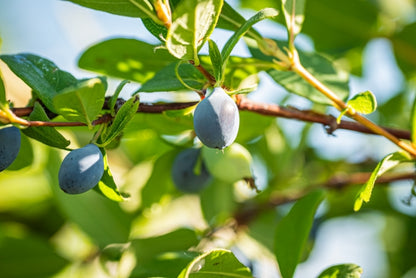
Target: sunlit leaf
{"x": 342, "y": 271}
{"x": 82, "y": 102}
{"x": 388, "y": 162}
{"x": 193, "y": 22}
{"x": 216, "y": 263}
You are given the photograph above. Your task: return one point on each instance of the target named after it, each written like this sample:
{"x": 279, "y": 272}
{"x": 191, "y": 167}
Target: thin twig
{"x": 250, "y": 212}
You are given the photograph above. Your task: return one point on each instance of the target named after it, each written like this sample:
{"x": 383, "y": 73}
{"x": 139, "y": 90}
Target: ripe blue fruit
{"x": 9, "y": 146}
{"x": 187, "y": 175}
{"x": 81, "y": 169}
{"x": 216, "y": 120}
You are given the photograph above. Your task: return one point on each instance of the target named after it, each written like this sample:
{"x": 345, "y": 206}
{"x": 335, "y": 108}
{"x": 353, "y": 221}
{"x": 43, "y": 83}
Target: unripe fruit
{"x": 9, "y": 146}
{"x": 187, "y": 175}
{"x": 216, "y": 120}
{"x": 81, "y": 169}
{"x": 229, "y": 165}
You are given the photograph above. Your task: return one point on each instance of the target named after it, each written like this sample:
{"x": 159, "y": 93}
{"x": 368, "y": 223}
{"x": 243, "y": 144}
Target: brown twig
{"x": 250, "y": 212}
{"x": 244, "y": 104}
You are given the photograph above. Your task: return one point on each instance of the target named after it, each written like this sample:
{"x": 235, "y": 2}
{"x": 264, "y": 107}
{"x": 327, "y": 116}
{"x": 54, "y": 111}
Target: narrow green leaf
{"x": 413, "y": 122}
{"x": 388, "y": 162}
{"x": 216, "y": 60}
{"x": 132, "y": 8}
{"x": 106, "y": 186}
{"x": 82, "y": 102}
{"x": 126, "y": 59}
{"x": 293, "y": 11}
{"x": 2, "y": 90}
{"x": 123, "y": 117}
{"x": 113, "y": 99}
{"x": 41, "y": 75}
{"x": 216, "y": 263}
{"x": 193, "y": 23}
{"x": 342, "y": 271}
{"x": 293, "y": 230}
{"x": 230, "y": 44}
{"x": 364, "y": 103}
{"x": 230, "y": 19}
{"x": 45, "y": 134}
{"x": 159, "y": 31}
{"x": 166, "y": 79}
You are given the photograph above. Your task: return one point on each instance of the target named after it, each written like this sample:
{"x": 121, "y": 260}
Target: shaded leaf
{"x": 41, "y": 75}
{"x": 28, "y": 257}
{"x": 388, "y": 162}
{"x": 166, "y": 79}
{"x": 293, "y": 230}
{"x": 192, "y": 24}
{"x": 132, "y": 8}
{"x": 125, "y": 58}
{"x": 45, "y": 134}
{"x": 2, "y": 90}
{"x": 342, "y": 271}
{"x": 216, "y": 60}
{"x": 216, "y": 263}
{"x": 404, "y": 44}
{"x": 82, "y": 102}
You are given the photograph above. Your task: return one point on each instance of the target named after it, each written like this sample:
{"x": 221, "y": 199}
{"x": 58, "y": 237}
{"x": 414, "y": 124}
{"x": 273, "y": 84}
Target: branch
{"x": 244, "y": 104}
{"x": 249, "y": 213}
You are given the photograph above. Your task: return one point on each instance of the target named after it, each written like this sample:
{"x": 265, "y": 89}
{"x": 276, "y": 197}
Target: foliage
{"x": 136, "y": 222}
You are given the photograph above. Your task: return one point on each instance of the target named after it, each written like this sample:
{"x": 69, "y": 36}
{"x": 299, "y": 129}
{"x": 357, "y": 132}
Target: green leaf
{"x": 413, "y": 122}
{"x": 192, "y": 24}
{"x": 166, "y": 79}
{"x": 216, "y": 213}
{"x": 339, "y": 26}
{"x": 24, "y": 157}
{"x": 342, "y": 271}
{"x": 364, "y": 103}
{"x": 160, "y": 182}
{"x": 230, "y": 19}
{"x": 45, "y": 134}
{"x": 216, "y": 263}
{"x": 293, "y": 230}
{"x": 168, "y": 264}
{"x": 230, "y": 44}
{"x": 132, "y": 8}
{"x": 216, "y": 60}
{"x": 82, "y": 102}
{"x": 123, "y": 117}
{"x": 388, "y": 162}
{"x": 293, "y": 11}
{"x": 101, "y": 219}
{"x": 319, "y": 66}
{"x": 404, "y": 44}
{"x": 2, "y": 90}
{"x": 41, "y": 75}
{"x": 178, "y": 240}
{"x": 28, "y": 256}
{"x": 126, "y": 59}
{"x": 159, "y": 31}
{"x": 106, "y": 186}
